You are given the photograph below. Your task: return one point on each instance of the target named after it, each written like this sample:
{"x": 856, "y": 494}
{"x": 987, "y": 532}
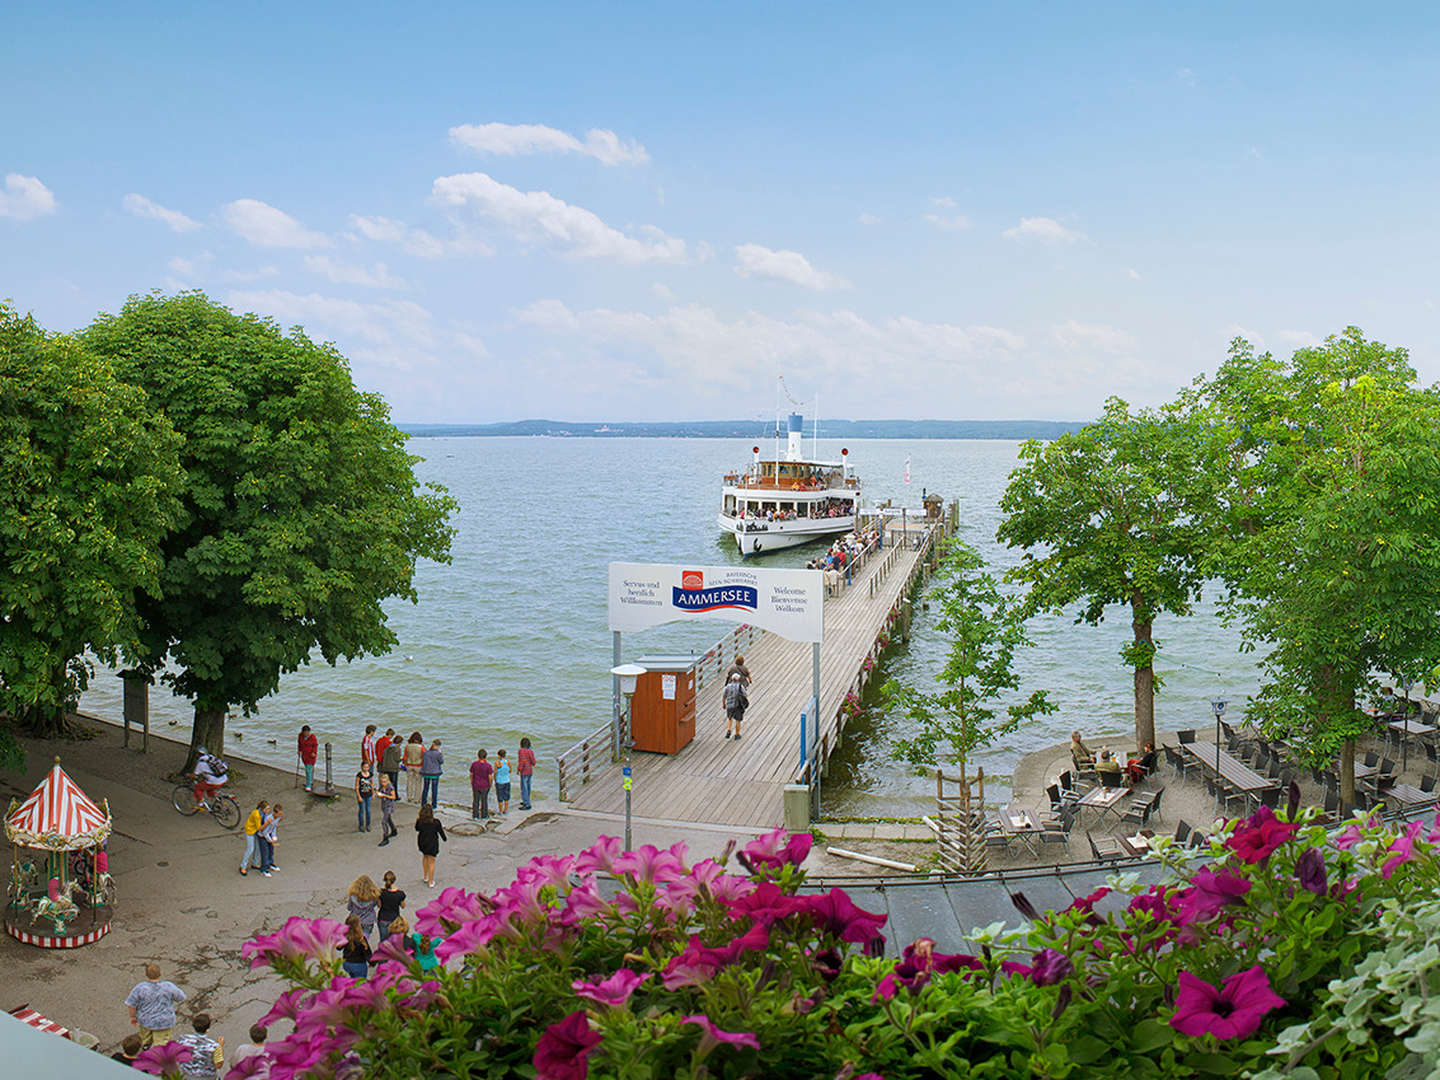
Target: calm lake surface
{"x": 511, "y": 638}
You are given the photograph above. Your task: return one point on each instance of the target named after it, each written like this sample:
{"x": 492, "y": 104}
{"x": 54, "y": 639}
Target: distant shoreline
{"x": 753, "y": 429}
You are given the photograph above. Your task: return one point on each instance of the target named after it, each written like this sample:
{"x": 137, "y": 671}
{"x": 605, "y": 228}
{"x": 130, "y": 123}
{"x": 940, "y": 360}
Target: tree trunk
{"x": 44, "y": 722}
{"x": 209, "y": 732}
{"x": 1347, "y": 776}
{"x": 1336, "y": 698}
{"x": 1143, "y": 626}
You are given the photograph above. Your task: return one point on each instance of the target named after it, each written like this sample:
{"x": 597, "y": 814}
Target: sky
{"x": 652, "y": 211}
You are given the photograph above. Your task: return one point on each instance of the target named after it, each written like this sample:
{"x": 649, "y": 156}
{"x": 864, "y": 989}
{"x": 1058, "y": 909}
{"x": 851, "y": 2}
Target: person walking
{"x": 381, "y": 745}
{"x": 252, "y": 841}
{"x": 431, "y": 769}
{"x": 525, "y": 766}
{"x": 206, "y": 1054}
{"x": 152, "y": 1007}
{"x": 386, "y": 794}
{"x": 367, "y": 745}
{"x": 269, "y": 837}
{"x": 414, "y": 755}
{"x": 480, "y": 773}
{"x": 502, "y": 783}
{"x": 308, "y": 748}
{"x": 363, "y": 900}
{"x": 429, "y": 833}
{"x": 355, "y": 952}
{"x": 735, "y": 702}
{"x": 364, "y": 790}
{"x": 391, "y": 901}
{"x": 739, "y": 666}
{"x": 390, "y": 761}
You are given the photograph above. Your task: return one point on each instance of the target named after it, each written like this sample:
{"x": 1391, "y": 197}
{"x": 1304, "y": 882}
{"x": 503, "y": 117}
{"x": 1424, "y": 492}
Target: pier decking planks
{"x": 725, "y": 782}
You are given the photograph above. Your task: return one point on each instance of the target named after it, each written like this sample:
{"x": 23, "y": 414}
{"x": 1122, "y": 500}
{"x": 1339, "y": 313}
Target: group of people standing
{"x": 484, "y": 773}
{"x": 261, "y": 836}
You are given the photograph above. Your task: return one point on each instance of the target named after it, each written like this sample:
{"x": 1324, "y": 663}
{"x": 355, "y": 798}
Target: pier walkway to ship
{"x": 742, "y": 782}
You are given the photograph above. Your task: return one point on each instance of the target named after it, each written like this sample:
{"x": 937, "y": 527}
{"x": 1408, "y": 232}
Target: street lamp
{"x": 627, "y": 674}
{"x": 1218, "y": 705}
{"x": 1405, "y": 734}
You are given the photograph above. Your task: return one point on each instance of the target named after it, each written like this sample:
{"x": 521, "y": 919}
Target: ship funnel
{"x": 797, "y": 422}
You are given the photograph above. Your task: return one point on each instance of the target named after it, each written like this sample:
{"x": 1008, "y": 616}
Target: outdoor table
{"x": 1413, "y": 725}
{"x": 1230, "y": 768}
{"x": 1104, "y": 799}
{"x": 1139, "y": 844}
{"x": 1408, "y": 794}
{"x": 1023, "y": 825}
{"x": 1364, "y": 772}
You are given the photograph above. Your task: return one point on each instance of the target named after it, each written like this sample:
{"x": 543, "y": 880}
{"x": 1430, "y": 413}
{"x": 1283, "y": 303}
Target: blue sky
{"x": 646, "y": 211}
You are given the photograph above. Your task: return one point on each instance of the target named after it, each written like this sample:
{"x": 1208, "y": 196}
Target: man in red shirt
{"x": 525, "y": 766}
{"x": 380, "y": 745}
{"x": 367, "y": 746}
{"x": 309, "y": 750}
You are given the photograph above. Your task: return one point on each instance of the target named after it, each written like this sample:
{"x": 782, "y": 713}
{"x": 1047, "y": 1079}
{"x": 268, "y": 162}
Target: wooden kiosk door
{"x": 662, "y": 712}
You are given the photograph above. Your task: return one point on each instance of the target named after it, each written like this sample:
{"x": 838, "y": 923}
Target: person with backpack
{"x": 736, "y": 700}
{"x": 210, "y": 775}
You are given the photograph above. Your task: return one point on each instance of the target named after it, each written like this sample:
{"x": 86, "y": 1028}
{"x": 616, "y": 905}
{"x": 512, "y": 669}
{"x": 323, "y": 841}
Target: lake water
{"x": 511, "y": 639}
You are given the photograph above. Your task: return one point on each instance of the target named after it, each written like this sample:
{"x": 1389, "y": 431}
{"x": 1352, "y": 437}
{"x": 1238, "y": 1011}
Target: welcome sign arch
{"x": 790, "y": 603}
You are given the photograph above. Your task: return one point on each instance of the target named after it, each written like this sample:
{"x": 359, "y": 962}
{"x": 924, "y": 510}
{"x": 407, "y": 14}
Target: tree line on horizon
{"x": 1303, "y": 490}
{"x": 200, "y": 496}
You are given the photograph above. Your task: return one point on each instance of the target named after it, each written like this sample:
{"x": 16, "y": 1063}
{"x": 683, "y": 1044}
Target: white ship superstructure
{"x": 790, "y": 500}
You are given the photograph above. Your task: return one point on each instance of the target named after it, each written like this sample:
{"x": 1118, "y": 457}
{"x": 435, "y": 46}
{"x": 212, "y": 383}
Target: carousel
{"x": 60, "y": 894}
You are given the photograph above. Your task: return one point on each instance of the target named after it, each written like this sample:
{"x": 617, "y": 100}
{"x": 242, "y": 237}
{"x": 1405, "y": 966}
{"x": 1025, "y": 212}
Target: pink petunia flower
{"x": 1232, "y": 1012}
{"x": 1087, "y": 903}
{"x": 711, "y": 1036}
{"x": 1209, "y": 892}
{"x": 1259, "y": 835}
{"x": 649, "y": 863}
{"x": 776, "y": 849}
{"x": 561, "y": 1052}
{"x": 835, "y": 913}
{"x": 166, "y": 1059}
{"x": 1402, "y": 850}
{"x": 298, "y": 939}
{"x": 600, "y": 855}
{"x": 614, "y": 991}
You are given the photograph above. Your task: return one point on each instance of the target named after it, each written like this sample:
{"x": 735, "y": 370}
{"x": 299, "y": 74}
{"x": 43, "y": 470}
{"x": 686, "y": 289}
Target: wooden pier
{"x": 743, "y": 782}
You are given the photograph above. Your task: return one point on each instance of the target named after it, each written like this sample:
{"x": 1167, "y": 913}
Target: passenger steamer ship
{"x": 787, "y": 501}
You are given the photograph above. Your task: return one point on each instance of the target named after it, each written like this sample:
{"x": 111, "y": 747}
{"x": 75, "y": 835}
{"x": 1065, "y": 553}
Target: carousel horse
{"x": 59, "y": 910}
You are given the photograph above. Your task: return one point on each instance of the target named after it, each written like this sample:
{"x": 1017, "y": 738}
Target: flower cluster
{"x": 611, "y": 963}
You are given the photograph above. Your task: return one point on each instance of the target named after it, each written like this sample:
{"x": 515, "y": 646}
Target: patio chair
{"x": 1058, "y": 832}
{"x": 1106, "y": 848}
{"x": 1271, "y": 797}
{"x": 1432, "y": 756}
{"x": 1176, "y": 761}
{"x": 1387, "y": 766}
{"x": 1371, "y": 758}
{"x": 1427, "y": 784}
{"x": 1186, "y": 736}
{"x": 1111, "y": 779}
{"x": 1155, "y": 805}
{"x": 1182, "y": 831}
{"x": 1137, "y": 811}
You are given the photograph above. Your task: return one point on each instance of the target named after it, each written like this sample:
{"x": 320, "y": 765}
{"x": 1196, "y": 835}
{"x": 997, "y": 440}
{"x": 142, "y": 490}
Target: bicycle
{"x": 223, "y": 808}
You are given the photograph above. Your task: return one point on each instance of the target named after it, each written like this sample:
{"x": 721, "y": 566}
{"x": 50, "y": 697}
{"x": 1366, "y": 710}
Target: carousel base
{"x": 72, "y": 939}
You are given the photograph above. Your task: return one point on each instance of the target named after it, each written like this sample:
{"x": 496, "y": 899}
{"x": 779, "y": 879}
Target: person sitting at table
{"x": 1107, "y": 763}
{"x": 1138, "y": 768}
{"x": 1080, "y": 753}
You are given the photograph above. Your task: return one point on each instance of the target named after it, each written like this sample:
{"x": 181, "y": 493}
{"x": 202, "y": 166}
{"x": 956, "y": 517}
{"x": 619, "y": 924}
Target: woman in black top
{"x": 430, "y": 833}
{"x": 391, "y": 901}
{"x": 355, "y": 953}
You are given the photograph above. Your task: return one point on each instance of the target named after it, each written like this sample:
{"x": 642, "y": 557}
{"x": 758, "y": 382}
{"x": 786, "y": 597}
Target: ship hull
{"x": 760, "y": 537}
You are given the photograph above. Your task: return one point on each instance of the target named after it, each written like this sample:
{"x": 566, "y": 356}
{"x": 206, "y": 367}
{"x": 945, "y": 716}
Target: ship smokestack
{"x": 797, "y": 422}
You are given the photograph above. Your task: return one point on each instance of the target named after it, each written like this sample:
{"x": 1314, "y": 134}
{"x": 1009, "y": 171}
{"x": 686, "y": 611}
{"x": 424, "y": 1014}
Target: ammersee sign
{"x": 790, "y": 603}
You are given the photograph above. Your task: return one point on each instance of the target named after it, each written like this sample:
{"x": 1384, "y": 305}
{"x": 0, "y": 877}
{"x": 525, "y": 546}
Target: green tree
{"x": 88, "y": 482}
{"x": 1327, "y": 500}
{"x": 986, "y": 628}
{"x": 1108, "y": 515}
{"x": 301, "y": 511}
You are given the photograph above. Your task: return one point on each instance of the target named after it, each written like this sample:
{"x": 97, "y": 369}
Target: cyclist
{"x": 210, "y": 775}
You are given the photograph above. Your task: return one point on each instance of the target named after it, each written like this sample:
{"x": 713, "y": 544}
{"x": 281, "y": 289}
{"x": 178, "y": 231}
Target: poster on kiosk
{"x": 790, "y": 603}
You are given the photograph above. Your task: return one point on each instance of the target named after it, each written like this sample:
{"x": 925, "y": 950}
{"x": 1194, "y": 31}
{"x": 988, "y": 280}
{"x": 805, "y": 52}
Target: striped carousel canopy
{"x": 57, "y": 816}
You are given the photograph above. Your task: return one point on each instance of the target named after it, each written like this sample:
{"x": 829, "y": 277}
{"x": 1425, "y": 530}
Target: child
{"x": 130, "y": 1049}
{"x": 525, "y": 766}
{"x": 355, "y": 953}
{"x": 208, "y": 1054}
{"x": 252, "y": 840}
{"x": 423, "y": 946}
{"x": 363, "y": 900}
{"x": 385, "y": 792}
{"x": 268, "y": 839}
{"x": 255, "y": 1047}
{"x": 502, "y": 782}
{"x": 391, "y": 901}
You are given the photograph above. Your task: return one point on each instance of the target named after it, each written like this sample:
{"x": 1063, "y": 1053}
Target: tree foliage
{"x": 1327, "y": 498}
{"x": 1109, "y": 515}
{"x": 301, "y": 511}
{"x": 88, "y": 482}
{"x": 986, "y": 628}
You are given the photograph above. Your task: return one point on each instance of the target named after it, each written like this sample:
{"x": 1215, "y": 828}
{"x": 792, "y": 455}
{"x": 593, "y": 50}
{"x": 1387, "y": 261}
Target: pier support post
{"x": 908, "y": 610}
{"x": 797, "y": 807}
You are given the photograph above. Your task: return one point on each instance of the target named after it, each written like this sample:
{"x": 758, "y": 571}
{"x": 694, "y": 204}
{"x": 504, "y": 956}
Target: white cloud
{"x": 1298, "y": 339}
{"x": 953, "y": 223}
{"x": 696, "y": 344}
{"x": 1254, "y": 337}
{"x": 265, "y": 226}
{"x": 343, "y": 273}
{"x": 869, "y": 219}
{"x": 944, "y": 202}
{"x": 417, "y": 242}
{"x": 539, "y": 217}
{"x": 788, "y": 266}
{"x": 1134, "y": 274}
{"x": 251, "y": 275}
{"x": 1186, "y": 76}
{"x": 1043, "y": 228}
{"x": 1092, "y": 337}
{"x": 142, "y": 207}
{"x": 663, "y": 291}
{"x": 510, "y": 140}
{"x": 25, "y": 197}
{"x": 189, "y": 268}
{"x": 389, "y": 333}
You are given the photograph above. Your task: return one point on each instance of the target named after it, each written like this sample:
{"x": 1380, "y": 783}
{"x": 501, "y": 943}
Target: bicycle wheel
{"x": 225, "y": 810}
{"x": 183, "y": 799}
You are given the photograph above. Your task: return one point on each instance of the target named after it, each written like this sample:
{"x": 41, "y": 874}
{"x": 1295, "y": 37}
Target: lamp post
{"x": 627, "y": 674}
{"x": 1218, "y": 705}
